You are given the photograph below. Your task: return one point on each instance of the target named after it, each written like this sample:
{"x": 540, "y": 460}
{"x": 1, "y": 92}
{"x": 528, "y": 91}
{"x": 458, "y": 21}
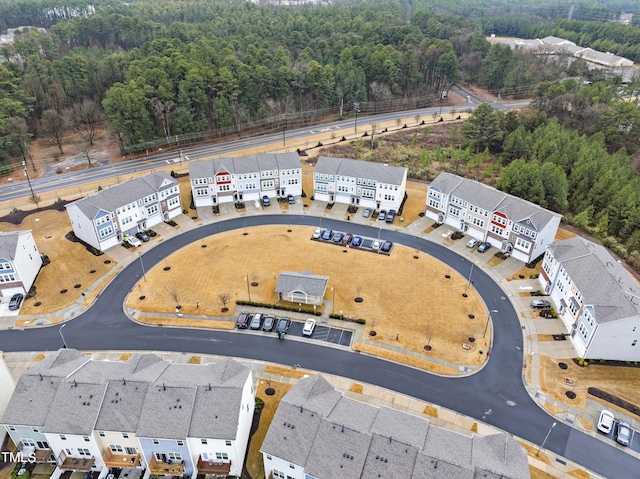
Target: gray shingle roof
{"x": 304, "y": 282}
{"x": 490, "y": 199}
{"x": 245, "y": 164}
{"x": 216, "y": 413}
{"x": 389, "y": 459}
{"x": 31, "y": 401}
{"x": 166, "y": 412}
{"x": 112, "y": 198}
{"x": 353, "y": 414}
{"x": 399, "y": 426}
{"x": 9, "y": 243}
{"x": 60, "y": 364}
{"x": 428, "y": 467}
{"x": 314, "y": 394}
{"x": 501, "y": 455}
{"x": 122, "y": 405}
{"x": 449, "y": 446}
{"x": 381, "y": 173}
{"x": 584, "y": 261}
{"x": 74, "y": 408}
{"x": 139, "y": 367}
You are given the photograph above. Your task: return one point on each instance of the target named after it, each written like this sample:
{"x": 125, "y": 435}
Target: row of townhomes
{"x": 360, "y": 183}
{"x": 139, "y": 417}
{"x": 596, "y": 297}
{"x": 317, "y": 433}
{"x": 509, "y": 223}
{"x": 104, "y": 218}
{"x": 20, "y": 262}
{"x": 249, "y": 178}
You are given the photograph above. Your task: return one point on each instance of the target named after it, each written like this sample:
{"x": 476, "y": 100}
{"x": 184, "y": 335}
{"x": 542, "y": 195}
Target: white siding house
{"x": 597, "y": 299}
{"x": 226, "y": 180}
{"x": 361, "y": 183}
{"x": 20, "y": 262}
{"x": 102, "y": 219}
{"x": 319, "y": 433}
{"x": 7, "y": 386}
{"x": 509, "y": 223}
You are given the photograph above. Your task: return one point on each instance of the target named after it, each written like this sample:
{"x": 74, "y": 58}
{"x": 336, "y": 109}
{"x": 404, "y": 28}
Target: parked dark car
{"x": 266, "y": 201}
{"x": 386, "y": 246}
{"x": 327, "y": 235}
{"x": 283, "y": 325}
{"x": 540, "y": 304}
{"x": 337, "y": 237}
{"x": 142, "y": 236}
{"x": 269, "y": 323}
{"x": 16, "y": 301}
{"x": 484, "y": 247}
{"x": 346, "y": 239}
{"x": 243, "y": 320}
{"x": 390, "y": 216}
{"x": 356, "y": 241}
{"x": 256, "y": 321}
{"x": 291, "y": 199}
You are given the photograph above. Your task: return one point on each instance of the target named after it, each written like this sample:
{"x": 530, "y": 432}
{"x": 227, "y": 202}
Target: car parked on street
{"x": 605, "y": 421}
{"x": 142, "y": 236}
{"x": 309, "y": 327}
{"x": 623, "y": 434}
{"x": 282, "y": 326}
{"x": 256, "y": 321}
{"x": 337, "y": 238}
{"x": 484, "y": 247}
{"x": 317, "y": 234}
{"x": 356, "y": 241}
{"x": 540, "y": 304}
{"x": 291, "y": 199}
{"x": 367, "y": 212}
{"x": 327, "y": 235}
{"x": 133, "y": 241}
{"x": 16, "y": 301}
{"x": 269, "y": 323}
{"x": 382, "y": 215}
{"x": 386, "y": 246}
{"x": 243, "y": 320}
{"x": 266, "y": 201}
{"x": 473, "y": 242}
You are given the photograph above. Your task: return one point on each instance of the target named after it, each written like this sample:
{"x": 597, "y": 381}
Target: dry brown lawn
{"x": 405, "y": 359}
{"x": 71, "y": 264}
{"x": 433, "y": 308}
{"x": 563, "y": 234}
{"x": 619, "y": 381}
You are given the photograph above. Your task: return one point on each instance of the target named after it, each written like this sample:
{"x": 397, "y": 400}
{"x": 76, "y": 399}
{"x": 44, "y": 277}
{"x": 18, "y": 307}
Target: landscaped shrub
{"x": 456, "y": 235}
{"x": 278, "y": 306}
{"x": 343, "y": 139}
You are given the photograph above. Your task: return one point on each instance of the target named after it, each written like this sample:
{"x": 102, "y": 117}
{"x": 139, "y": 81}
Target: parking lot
{"x": 321, "y": 332}
{"x": 347, "y": 240}
{"x": 634, "y": 442}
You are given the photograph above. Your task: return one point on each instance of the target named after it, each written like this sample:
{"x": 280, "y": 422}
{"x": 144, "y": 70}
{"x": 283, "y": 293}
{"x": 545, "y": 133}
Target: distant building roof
{"x": 381, "y": 173}
{"x": 615, "y": 295}
{"x": 114, "y": 197}
{"x": 243, "y": 164}
{"x": 302, "y": 282}
{"x": 491, "y": 199}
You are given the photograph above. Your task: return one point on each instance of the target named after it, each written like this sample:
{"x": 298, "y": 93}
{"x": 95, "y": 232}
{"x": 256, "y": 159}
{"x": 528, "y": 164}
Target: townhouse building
{"x": 596, "y": 298}
{"x": 511, "y": 224}
{"x": 7, "y": 387}
{"x": 137, "y": 417}
{"x": 20, "y": 262}
{"x": 361, "y": 183}
{"x": 249, "y": 178}
{"x": 317, "y": 433}
{"x": 104, "y": 218}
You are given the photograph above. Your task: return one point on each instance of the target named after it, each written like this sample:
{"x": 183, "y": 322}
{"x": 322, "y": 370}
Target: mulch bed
{"x": 610, "y": 398}
{"x": 19, "y": 216}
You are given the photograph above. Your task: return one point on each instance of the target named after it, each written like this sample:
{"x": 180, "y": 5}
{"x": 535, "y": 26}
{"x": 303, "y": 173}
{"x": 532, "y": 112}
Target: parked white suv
{"x": 605, "y": 421}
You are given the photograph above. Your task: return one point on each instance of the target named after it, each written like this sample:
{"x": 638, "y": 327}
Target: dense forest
{"x": 154, "y": 70}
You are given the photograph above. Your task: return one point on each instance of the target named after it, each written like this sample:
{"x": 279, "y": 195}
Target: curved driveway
{"x": 495, "y": 394}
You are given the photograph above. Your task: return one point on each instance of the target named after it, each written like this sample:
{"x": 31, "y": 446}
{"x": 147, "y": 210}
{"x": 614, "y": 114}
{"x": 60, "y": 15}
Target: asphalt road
{"x": 495, "y": 394}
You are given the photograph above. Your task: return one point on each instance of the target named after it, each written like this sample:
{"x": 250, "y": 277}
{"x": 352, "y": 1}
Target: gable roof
{"x": 116, "y": 196}
{"x": 303, "y": 282}
{"x": 615, "y": 295}
{"x": 493, "y": 200}
{"x": 74, "y": 408}
{"x": 243, "y": 164}
{"x": 501, "y": 455}
{"x": 31, "y": 401}
{"x": 121, "y": 407}
{"x": 9, "y": 243}
{"x": 381, "y": 173}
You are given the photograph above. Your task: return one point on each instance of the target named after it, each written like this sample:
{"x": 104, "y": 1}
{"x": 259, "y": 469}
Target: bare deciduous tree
{"x": 224, "y": 299}
{"x": 84, "y": 117}
{"x": 53, "y": 127}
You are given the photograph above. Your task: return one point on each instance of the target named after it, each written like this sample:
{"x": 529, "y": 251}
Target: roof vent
{"x": 124, "y": 382}
{"x": 342, "y": 428}
{"x": 41, "y": 378}
{"x": 164, "y": 388}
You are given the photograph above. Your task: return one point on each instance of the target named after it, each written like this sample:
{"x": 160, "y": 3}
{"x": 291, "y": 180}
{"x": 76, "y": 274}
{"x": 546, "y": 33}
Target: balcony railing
{"x": 41, "y": 455}
{"x": 157, "y": 466}
{"x": 75, "y": 463}
{"x": 210, "y": 466}
{"x": 121, "y": 460}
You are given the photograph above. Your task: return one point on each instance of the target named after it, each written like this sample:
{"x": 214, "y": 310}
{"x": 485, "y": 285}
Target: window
{"x": 101, "y": 433}
{"x": 180, "y": 443}
{"x": 268, "y": 457}
{"x": 203, "y": 441}
{"x": 222, "y": 455}
{"x": 12, "y": 428}
{"x": 84, "y": 452}
{"x": 42, "y": 444}
{"x": 115, "y": 448}
{"x": 292, "y": 466}
{"x": 28, "y": 442}
{"x": 86, "y": 438}
{"x": 125, "y": 435}
{"x": 35, "y": 429}
{"x": 278, "y": 474}
{"x": 174, "y": 456}
{"x": 131, "y": 450}
{"x": 155, "y": 441}
{"x": 63, "y": 437}
{"x": 635, "y": 341}
{"x": 202, "y": 191}
{"x": 227, "y": 443}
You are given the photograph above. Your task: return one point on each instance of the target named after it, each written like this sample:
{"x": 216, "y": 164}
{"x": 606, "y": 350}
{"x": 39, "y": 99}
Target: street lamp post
{"x": 248, "y": 289}
{"x": 470, "y": 273}
{"x": 26, "y": 173}
{"x": 486, "y": 326}
{"x": 64, "y": 343}
{"x": 442, "y": 96}
{"x": 142, "y": 266}
{"x": 546, "y": 437}
{"x": 284, "y": 127}
{"x": 356, "y": 108}
{"x": 333, "y": 299}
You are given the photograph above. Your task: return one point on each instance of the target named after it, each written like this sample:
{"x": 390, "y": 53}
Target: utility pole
{"x": 284, "y": 127}
{"x": 356, "y": 108}
{"x": 26, "y": 173}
